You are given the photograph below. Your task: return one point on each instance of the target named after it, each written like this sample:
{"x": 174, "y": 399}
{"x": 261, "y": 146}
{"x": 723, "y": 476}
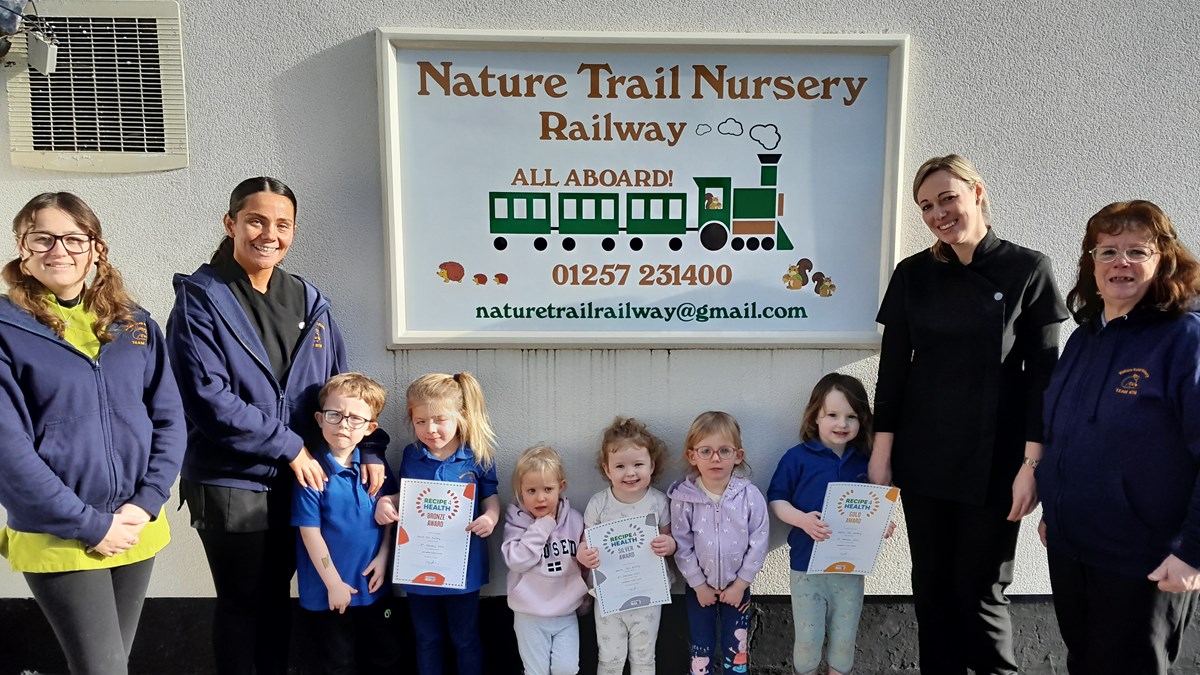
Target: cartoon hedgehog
{"x": 501, "y": 278}
{"x": 823, "y": 285}
{"x": 451, "y": 271}
{"x": 479, "y": 279}
{"x": 797, "y": 275}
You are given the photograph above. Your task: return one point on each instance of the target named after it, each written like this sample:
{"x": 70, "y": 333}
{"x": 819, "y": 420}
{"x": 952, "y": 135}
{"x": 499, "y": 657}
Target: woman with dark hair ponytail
{"x": 252, "y": 345}
{"x": 91, "y": 433}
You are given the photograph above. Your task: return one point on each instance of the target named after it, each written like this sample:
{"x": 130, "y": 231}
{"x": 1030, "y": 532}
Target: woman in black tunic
{"x": 970, "y": 338}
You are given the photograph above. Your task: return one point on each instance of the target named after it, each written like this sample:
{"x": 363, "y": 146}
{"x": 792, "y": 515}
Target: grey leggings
{"x": 94, "y": 614}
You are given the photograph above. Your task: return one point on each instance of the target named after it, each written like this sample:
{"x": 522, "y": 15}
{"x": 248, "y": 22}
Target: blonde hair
{"x": 712, "y": 423}
{"x": 538, "y": 459}
{"x": 961, "y": 168}
{"x": 627, "y": 432}
{"x": 356, "y": 385}
{"x": 105, "y": 297}
{"x": 461, "y": 397}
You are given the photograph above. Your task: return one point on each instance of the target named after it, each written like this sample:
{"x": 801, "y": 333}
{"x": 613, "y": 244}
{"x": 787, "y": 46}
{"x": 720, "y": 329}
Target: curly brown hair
{"x": 1176, "y": 284}
{"x": 104, "y": 297}
{"x": 627, "y": 432}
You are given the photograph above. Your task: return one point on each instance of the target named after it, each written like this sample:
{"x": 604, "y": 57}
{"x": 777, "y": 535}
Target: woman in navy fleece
{"x": 91, "y": 433}
{"x": 251, "y": 346}
{"x": 1121, "y": 507}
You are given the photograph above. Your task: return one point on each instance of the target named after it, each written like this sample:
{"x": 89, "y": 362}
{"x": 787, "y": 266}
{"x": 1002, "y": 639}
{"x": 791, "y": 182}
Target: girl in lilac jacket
{"x": 719, "y": 521}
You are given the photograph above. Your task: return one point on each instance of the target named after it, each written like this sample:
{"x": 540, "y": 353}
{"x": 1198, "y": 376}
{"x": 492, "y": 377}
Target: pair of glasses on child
{"x": 334, "y": 417}
{"x": 707, "y": 453}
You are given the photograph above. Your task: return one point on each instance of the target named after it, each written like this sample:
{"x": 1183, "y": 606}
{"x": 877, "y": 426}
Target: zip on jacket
{"x": 718, "y": 542}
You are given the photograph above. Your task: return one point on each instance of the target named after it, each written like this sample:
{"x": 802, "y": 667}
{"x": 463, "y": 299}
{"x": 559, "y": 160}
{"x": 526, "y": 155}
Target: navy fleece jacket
{"x": 1118, "y": 480}
{"x": 80, "y": 437}
{"x": 244, "y": 426}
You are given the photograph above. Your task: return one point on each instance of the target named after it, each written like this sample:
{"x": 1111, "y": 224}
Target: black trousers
{"x": 94, "y": 614}
{"x": 1114, "y": 624}
{"x": 252, "y": 572}
{"x": 962, "y": 561}
{"x": 362, "y": 641}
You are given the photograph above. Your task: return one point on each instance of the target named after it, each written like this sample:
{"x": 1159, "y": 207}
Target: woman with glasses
{"x": 91, "y": 433}
{"x": 969, "y": 341}
{"x": 251, "y": 346}
{"x": 1121, "y": 511}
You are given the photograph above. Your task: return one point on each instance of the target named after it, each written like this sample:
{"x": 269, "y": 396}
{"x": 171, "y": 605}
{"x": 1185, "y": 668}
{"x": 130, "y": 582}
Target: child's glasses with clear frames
{"x": 334, "y": 418}
{"x": 723, "y": 453}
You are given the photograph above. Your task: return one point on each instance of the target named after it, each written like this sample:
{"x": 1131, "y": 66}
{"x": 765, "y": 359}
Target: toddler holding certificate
{"x": 631, "y": 458}
{"x": 454, "y": 444}
{"x": 836, "y": 442}
{"x": 720, "y": 523}
{"x": 545, "y": 583}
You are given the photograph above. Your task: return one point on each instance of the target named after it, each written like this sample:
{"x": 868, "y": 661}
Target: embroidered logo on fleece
{"x": 1131, "y": 378}
{"x": 318, "y": 336}
{"x": 140, "y": 333}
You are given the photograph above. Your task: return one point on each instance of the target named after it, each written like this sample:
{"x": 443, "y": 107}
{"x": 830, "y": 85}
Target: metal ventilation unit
{"x": 114, "y": 102}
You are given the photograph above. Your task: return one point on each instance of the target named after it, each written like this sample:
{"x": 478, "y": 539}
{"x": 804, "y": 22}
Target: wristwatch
{"x": 1031, "y": 462}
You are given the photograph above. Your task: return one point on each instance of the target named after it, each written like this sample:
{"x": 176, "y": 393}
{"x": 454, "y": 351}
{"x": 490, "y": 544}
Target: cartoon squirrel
{"x": 451, "y": 271}
{"x": 797, "y": 275}
{"x": 823, "y": 285}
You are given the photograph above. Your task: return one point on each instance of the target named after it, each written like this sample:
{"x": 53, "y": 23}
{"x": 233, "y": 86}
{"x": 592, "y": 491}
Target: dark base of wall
{"x": 174, "y": 638}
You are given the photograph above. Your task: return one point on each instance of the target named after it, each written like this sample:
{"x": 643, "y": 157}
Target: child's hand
{"x": 733, "y": 593}
{"x": 482, "y": 526}
{"x": 590, "y": 557}
{"x": 385, "y": 510}
{"x": 890, "y": 531}
{"x": 339, "y": 596}
{"x": 706, "y": 595}
{"x": 373, "y": 477}
{"x": 815, "y": 527}
{"x": 376, "y": 573}
{"x": 663, "y": 545}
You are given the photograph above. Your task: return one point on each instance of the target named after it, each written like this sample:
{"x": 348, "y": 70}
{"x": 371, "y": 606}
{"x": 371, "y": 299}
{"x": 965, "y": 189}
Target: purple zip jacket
{"x": 718, "y": 542}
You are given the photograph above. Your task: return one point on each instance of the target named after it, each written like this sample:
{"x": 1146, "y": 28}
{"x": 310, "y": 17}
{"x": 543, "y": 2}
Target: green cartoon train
{"x": 740, "y": 217}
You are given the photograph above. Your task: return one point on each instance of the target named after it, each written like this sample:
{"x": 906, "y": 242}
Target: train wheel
{"x": 752, "y": 244}
{"x": 540, "y": 243}
{"x": 635, "y": 244}
{"x": 608, "y": 244}
{"x": 500, "y": 243}
{"x": 676, "y": 243}
{"x": 713, "y": 236}
{"x": 738, "y": 244}
{"x": 568, "y": 244}
{"x": 768, "y": 243}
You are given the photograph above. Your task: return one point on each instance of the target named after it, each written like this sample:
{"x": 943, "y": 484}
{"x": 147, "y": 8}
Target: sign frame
{"x": 392, "y": 42}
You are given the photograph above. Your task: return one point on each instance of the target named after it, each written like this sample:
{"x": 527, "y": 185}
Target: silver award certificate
{"x": 630, "y": 574}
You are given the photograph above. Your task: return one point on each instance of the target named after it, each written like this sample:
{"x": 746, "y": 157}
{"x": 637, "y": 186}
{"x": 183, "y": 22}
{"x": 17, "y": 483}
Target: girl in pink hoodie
{"x": 719, "y": 520}
{"x": 545, "y": 583}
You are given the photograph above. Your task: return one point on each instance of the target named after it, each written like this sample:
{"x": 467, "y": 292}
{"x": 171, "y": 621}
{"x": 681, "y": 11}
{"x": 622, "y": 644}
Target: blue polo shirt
{"x": 803, "y": 474}
{"x": 346, "y": 515}
{"x": 460, "y": 467}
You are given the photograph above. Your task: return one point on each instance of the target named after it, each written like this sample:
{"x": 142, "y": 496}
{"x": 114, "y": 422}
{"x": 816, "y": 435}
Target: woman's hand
{"x": 373, "y": 477}
{"x": 308, "y": 470}
{"x": 386, "y": 511}
{"x": 1024, "y": 494}
{"x": 122, "y": 535}
{"x": 1176, "y": 576}
{"x": 879, "y": 467}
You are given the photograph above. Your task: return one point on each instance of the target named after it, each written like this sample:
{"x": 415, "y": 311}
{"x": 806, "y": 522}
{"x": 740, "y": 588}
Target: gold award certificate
{"x": 858, "y": 515}
{"x": 432, "y": 542}
{"x": 630, "y": 575}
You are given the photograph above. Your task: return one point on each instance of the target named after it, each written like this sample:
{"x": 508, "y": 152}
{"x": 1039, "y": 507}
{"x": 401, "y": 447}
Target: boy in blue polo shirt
{"x": 342, "y": 554}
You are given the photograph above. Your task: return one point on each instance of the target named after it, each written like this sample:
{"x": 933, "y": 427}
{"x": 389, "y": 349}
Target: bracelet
{"x": 1031, "y": 462}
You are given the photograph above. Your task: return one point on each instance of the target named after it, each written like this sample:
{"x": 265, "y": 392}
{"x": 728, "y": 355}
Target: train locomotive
{"x": 740, "y": 217}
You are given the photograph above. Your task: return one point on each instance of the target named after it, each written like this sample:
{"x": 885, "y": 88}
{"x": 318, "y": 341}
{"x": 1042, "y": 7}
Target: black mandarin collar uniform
{"x": 967, "y": 351}
{"x": 277, "y": 315}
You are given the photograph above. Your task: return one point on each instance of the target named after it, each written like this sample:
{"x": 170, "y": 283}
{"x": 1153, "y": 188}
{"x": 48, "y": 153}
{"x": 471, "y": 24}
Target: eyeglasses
{"x": 707, "y": 453}
{"x": 44, "y": 242}
{"x": 1136, "y": 254}
{"x": 335, "y": 417}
